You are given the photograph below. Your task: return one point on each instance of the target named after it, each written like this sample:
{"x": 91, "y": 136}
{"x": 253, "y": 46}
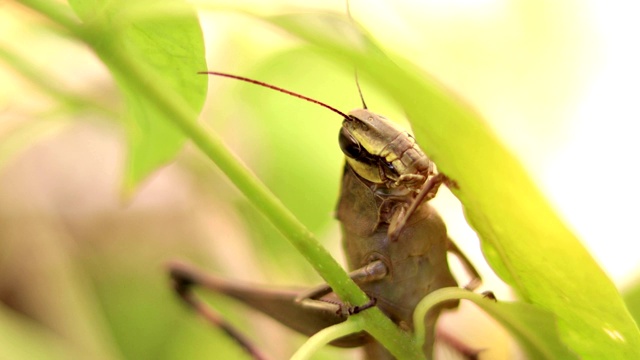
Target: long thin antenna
{"x": 355, "y": 71}
{"x": 256, "y": 82}
{"x": 348, "y": 10}
{"x": 364, "y": 105}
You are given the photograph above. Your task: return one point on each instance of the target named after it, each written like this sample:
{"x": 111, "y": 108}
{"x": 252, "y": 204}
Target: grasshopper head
{"x": 382, "y": 152}
{"x": 364, "y": 139}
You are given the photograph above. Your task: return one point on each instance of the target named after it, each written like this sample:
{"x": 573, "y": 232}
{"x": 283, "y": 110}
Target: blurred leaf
{"x": 48, "y": 84}
{"x": 21, "y": 339}
{"x": 138, "y": 304}
{"x": 197, "y": 340}
{"x": 23, "y": 135}
{"x": 51, "y": 287}
{"x": 165, "y": 38}
{"x": 145, "y": 317}
{"x": 632, "y": 299}
{"x": 530, "y": 247}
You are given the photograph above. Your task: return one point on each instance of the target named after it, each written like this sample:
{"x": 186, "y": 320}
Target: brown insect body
{"x": 416, "y": 261}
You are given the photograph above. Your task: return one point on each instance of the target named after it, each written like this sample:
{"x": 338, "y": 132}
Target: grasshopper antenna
{"x": 256, "y": 82}
{"x": 348, "y": 10}
{"x": 364, "y": 105}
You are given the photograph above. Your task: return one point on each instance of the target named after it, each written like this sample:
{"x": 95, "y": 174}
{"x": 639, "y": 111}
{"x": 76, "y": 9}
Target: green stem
{"x": 433, "y": 299}
{"x": 327, "y": 335}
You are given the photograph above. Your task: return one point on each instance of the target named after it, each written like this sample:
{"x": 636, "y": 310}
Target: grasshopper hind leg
{"x": 305, "y": 311}
{"x": 185, "y": 278}
{"x": 476, "y": 279}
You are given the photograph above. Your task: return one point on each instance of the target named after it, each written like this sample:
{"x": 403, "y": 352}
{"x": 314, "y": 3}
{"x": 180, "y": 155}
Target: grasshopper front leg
{"x": 427, "y": 192}
{"x": 312, "y": 298}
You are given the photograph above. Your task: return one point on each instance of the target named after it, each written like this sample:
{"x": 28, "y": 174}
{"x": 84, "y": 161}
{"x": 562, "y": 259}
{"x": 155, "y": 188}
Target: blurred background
{"x": 82, "y": 266}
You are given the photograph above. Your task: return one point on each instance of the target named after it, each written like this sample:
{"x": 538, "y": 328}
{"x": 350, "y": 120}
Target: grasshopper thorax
{"x": 381, "y": 152}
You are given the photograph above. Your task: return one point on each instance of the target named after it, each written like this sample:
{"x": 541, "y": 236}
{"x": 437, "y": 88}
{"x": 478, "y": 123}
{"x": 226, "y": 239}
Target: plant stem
{"x": 327, "y": 335}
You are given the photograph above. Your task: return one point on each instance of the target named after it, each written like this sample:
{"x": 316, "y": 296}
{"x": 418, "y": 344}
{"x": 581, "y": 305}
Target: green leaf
{"x": 535, "y": 329}
{"x": 165, "y": 38}
{"x": 528, "y": 245}
{"x": 632, "y": 299}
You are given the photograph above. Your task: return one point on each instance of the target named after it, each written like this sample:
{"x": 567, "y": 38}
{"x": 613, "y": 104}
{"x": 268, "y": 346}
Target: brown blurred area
{"x": 71, "y": 247}
{"x": 82, "y": 269}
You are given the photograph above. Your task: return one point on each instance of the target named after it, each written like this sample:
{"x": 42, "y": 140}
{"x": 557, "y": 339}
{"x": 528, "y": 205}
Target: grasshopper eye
{"x": 350, "y": 146}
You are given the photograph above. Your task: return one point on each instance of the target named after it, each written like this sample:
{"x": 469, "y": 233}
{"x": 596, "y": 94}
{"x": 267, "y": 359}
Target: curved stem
{"x": 433, "y": 299}
{"x": 327, "y": 335}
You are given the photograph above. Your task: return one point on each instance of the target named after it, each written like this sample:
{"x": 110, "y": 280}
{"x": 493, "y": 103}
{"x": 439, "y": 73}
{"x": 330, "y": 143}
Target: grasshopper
{"x": 396, "y": 244}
